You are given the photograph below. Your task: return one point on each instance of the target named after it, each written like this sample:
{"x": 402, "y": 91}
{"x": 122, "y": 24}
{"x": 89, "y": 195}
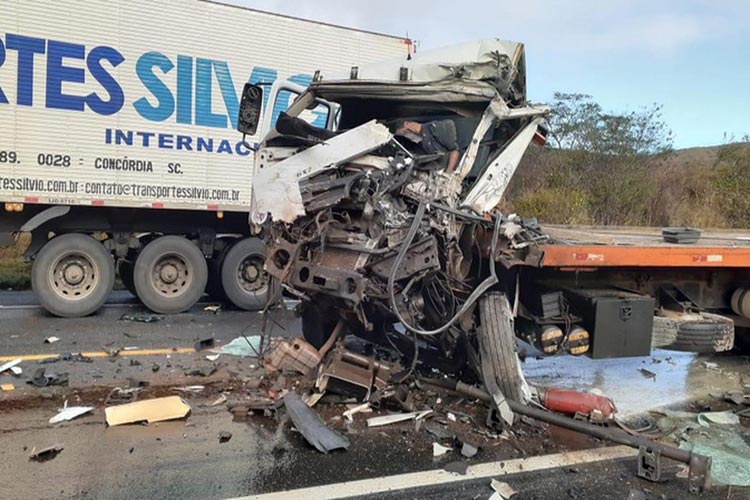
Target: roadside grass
{"x": 15, "y": 272}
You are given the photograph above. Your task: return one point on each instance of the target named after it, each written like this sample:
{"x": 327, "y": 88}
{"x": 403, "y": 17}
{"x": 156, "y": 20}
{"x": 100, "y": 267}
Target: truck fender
{"x": 45, "y": 216}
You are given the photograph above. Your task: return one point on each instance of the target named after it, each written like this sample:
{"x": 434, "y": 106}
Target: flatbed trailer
{"x": 698, "y": 291}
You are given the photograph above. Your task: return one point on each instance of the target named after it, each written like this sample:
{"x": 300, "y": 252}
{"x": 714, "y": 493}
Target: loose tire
{"x": 170, "y": 275}
{"x": 72, "y": 275}
{"x": 497, "y": 346}
{"x": 702, "y": 332}
{"x": 243, "y": 279}
{"x": 125, "y": 272}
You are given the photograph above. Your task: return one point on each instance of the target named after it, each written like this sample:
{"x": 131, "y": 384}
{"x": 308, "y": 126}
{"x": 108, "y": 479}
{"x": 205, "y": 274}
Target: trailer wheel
{"x": 125, "y": 272}
{"x": 245, "y": 282}
{"x": 702, "y": 332}
{"x": 72, "y": 275}
{"x": 497, "y": 345}
{"x": 170, "y": 274}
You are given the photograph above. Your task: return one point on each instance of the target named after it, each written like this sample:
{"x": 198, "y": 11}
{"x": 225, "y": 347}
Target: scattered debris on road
{"x": 349, "y": 414}
{"x": 45, "y": 454}
{"x": 396, "y": 418}
{"x": 718, "y": 435}
{"x": 68, "y": 356}
{"x": 44, "y": 378}
{"x": 69, "y": 413}
{"x": 201, "y": 371}
{"x": 150, "y": 410}
{"x": 224, "y": 436}
{"x": 242, "y": 346}
{"x": 119, "y": 396}
{"x": 309, "y": 424}
{"x": 469, "y": 450}
{"x": 457, "y": 467}
{"x": 438, "y": 450}
{"x": 220, "y": 400}
{"x": 502, "y": 489}
{"x": 7, "y": 387}
{"x": 9, "y": 365}
{"x": 206, "y": 343}
{"x": 191, "y": 389}
{"x": 141, "y": 318}
{"x": 353, "y": 375}
{"x": 51, "y": 340}
{"x": 294, "y": 355}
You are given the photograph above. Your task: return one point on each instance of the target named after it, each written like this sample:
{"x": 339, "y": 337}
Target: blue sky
{"x": 691, "y": 56}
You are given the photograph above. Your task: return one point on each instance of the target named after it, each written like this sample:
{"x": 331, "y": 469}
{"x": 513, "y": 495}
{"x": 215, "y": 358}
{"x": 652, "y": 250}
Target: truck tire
{"x": 125, "y": 272}
{"x": 701, "y": 333}
{"x": 170, "y": 275}
{"x": 72, "y": 275}
{"x": 497, "y": 345}
{"x": 245, "y": 283}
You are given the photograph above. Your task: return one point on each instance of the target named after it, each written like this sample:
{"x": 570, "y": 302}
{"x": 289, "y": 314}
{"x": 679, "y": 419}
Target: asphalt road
{"x": 184, "y": 459}
{"x": 27, "y": 298}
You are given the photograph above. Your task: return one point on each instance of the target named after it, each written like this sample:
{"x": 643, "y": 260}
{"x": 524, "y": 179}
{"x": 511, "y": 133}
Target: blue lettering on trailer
{"x": 107, "y": 81}
{"x": 3, "y": 99}
{"x": 119, "y": 137}
{"x": 27, "y": 48}
{"x": 57, "y": 73}
{"x": 179, "y": 88}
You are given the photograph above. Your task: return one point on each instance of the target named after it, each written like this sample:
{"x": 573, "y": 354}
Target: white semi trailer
{"x": 117, "y": 144}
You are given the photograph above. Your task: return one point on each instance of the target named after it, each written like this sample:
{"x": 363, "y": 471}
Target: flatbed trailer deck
{"x": 592, "y": 246}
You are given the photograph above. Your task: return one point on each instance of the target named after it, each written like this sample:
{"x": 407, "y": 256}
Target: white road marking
{"x": 435, "y": 477}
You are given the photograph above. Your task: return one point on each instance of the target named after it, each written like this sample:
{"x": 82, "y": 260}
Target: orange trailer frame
{"x": 595, "y": 247}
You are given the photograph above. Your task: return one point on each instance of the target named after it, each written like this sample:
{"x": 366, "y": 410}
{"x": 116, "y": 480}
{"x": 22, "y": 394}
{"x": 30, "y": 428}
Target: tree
{"x": 600, "y": 166}
{"x": 578, "y": 122}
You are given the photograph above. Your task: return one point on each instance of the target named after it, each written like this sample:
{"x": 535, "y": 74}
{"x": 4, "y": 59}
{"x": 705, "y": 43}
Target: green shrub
{"x": 15, "y": 274}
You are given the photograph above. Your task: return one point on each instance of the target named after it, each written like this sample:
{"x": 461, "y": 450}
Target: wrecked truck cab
{"x": 367, "y": 226}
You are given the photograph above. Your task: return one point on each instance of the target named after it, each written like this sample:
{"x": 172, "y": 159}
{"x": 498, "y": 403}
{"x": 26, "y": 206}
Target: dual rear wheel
{"x": 73, "y": 274}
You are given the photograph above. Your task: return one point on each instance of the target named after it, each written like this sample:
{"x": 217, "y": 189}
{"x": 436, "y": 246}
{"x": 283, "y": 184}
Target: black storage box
{"x": 620, "y": 323}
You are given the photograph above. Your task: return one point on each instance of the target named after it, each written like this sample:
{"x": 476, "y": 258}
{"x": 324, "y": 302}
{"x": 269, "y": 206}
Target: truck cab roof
{"x": 459, "y": 80}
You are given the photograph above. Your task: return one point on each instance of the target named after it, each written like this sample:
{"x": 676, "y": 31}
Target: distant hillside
{"x": 702, "y": 187}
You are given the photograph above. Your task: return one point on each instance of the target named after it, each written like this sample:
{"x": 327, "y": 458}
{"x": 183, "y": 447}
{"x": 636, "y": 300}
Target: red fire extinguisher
{"x": 574, "y": 402}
